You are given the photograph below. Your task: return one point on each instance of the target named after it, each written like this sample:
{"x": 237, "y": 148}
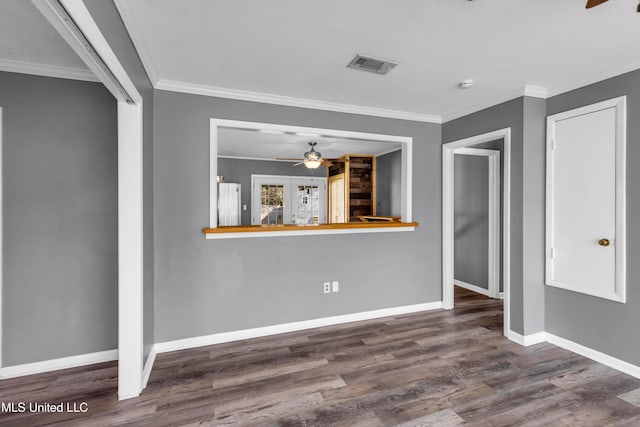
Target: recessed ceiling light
{"x": 466, "y": 84}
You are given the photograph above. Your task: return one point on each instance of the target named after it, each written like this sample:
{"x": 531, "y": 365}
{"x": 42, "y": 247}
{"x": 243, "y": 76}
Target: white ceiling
{"x": 300, "y": 49}
{"x": 29, "y": 43}
{"x": 233, "y": 142}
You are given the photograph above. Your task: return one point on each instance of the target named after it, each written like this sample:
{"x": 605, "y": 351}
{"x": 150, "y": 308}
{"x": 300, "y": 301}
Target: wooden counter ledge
{"x": 293, "y": 227}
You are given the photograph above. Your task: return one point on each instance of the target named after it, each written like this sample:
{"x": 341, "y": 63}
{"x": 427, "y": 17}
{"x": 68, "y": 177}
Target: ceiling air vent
{"x": 373, "y": 65}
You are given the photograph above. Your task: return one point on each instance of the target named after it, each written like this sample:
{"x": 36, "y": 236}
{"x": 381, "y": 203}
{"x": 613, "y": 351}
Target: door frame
{"x": 619, "y": 240}
{"x": 493, "y": 248}
{"x": 448, "y": 215}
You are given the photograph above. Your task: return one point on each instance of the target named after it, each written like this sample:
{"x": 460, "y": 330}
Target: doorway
{"x": 500, "y": 263}
{"x": 477, "y": 228}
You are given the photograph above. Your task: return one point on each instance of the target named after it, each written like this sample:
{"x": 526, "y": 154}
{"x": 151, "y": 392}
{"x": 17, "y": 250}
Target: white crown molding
{"x": 291, "y": 327}
{"x": 47, "y": 70}
{"x": 595, "y": 78}
{"x": 535, "y": 91}
{"x": 507, "y": 96}
{"x": 266, "y": 98}
{"x": 56, "y": 364}
{"x": 129, "y": 20}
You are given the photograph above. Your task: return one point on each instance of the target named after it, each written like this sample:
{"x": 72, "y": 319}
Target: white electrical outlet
{"x": 335, "y": 286}
{"x": 327, "y": 287}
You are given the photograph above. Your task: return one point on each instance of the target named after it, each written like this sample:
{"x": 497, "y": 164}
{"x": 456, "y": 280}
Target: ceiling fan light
{"x": 312, "y": 164}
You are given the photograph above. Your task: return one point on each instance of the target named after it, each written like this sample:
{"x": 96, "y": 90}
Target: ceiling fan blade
{"x": 298, "y": 164}
{"x": 594, "y": 3}
{"x": 289, "y": 158}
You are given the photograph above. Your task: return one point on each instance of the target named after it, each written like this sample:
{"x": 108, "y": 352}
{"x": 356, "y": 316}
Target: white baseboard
{"x": 146, "y": 373}
{"x": 291, "y": 327}
{"x": 527, "y": 340}
{"x": 56, "y": 364}
{"x": 592, "y": 354}
{"x": 473, "y": 288}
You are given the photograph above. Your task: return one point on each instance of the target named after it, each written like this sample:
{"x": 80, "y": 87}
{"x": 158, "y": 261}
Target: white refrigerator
{"x": 229, "y": 203}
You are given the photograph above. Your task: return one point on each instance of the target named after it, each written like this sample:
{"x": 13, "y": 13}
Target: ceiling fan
{"x": 312, "y": 159}
{"x": 594, "y": 3}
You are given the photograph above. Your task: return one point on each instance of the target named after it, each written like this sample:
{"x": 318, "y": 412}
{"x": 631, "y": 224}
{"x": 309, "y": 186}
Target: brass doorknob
{"x": 604, "y": 242}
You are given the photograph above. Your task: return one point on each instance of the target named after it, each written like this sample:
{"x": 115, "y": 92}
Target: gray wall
{"x": 60, "y": 218}
{"x": 526, "y": 118}
{"x": 108, "y": 20}
{"x": 209, "y": 286}
{"x": 603, "y": 325}
{"x": 471, "y": 220}
{"x": 240, "y": 170}
{"x": 389, "y": 184}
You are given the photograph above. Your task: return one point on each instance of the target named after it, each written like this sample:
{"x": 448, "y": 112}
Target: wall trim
{"x": 527, "y": 340}
{"x": 595, "y": 78}
{"x": 595, "y": 355}
{"x": 44, "y": 70}
{"x": 56, "y": 364}
{"x": 535, "y": 91}
{"x": 223, "y": 337}
{"x": 473, "y": 288}
{"x": 148, "y": 366}
{"x": 491, "y": 102}
{"x": 290, "y": 101}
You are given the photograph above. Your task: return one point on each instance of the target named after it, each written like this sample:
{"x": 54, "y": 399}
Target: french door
{"x": 288, "y": 200}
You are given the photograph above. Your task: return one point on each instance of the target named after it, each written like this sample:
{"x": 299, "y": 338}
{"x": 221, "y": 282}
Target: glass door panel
{"x": 272, "y": 204}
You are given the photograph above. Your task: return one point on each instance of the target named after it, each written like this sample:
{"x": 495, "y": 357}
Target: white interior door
{"x": 336, "y": 201}
{"x": 270, "y": 200}
{"x": 585, "y": 200}
{"x": 308, "y": 204}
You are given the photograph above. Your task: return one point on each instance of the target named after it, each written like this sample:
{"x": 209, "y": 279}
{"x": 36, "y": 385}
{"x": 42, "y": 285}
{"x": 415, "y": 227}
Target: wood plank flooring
{"x": 440, "y": 368}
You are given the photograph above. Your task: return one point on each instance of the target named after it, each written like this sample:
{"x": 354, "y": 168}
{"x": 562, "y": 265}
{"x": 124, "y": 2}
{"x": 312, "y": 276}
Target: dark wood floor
{"x": 440, "y": 368}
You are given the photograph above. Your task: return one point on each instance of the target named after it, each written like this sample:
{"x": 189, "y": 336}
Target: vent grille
{"x": 373, "y": 65}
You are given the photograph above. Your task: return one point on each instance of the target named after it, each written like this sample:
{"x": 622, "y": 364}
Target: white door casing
{"x": 585, "y": 200}
{"x": 448, "y": 216}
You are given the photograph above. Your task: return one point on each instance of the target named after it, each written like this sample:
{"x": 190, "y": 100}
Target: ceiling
{"x": 244, "y": 143}
{"x": 29, "y": 43}
{"x": 300, "y": 49}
